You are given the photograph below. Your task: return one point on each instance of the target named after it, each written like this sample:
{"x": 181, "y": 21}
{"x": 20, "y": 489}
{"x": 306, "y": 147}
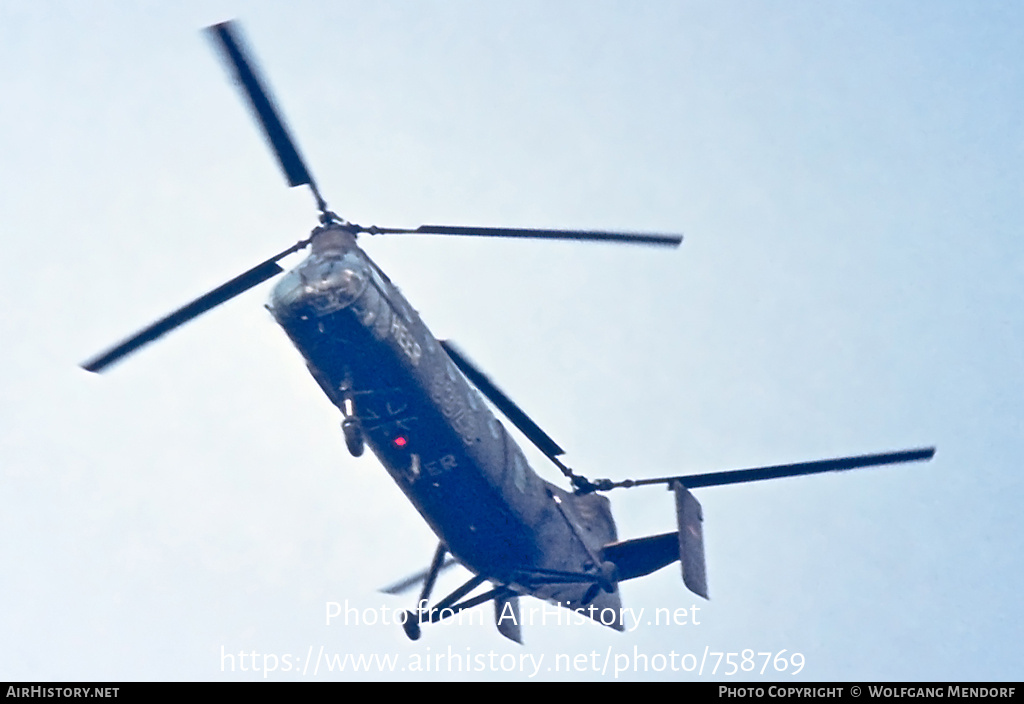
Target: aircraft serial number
{"x": 405, "y": 340}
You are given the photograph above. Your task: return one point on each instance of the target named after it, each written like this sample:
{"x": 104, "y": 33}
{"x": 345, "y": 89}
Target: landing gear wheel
{"x": 353, "y": 436}
{"x": 411, "y": 626}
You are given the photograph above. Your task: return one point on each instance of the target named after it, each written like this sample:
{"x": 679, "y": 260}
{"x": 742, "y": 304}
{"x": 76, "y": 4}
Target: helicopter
{"x": 421, "y": 406}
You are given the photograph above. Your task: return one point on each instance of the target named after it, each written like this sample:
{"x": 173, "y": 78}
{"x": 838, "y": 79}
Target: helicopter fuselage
{"x": 417, "y": 403}
{"x": 376, "y": 360}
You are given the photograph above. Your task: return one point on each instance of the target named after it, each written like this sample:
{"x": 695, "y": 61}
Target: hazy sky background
{"x": 848, "y": 176}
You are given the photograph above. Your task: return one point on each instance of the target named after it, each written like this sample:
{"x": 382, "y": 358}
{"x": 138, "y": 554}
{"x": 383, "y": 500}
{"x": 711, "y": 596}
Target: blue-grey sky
{"x": 848, "y": 176}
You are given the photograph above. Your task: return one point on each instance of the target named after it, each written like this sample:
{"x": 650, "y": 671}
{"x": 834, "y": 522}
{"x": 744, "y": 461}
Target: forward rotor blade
{"x": 258, "y": 274}
{"x": 841, "y": 464}
{"x": 277, "y": 134}
{"x": 504, "y": 404}
{"x": 577, "y": 235}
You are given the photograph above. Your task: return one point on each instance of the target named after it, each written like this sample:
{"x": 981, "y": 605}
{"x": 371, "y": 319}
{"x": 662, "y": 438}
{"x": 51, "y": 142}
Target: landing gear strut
{"x": 350, "y": 426}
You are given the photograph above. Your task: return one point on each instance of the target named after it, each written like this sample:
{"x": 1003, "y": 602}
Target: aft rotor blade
{"x": 411, "y": 581}
{"x": 840, "y": 464}
{"x": 576, "y": 235}
{"x": 258, "y": 274}
{"x": 504, "y": 404}
{"x": 277, "y": 134}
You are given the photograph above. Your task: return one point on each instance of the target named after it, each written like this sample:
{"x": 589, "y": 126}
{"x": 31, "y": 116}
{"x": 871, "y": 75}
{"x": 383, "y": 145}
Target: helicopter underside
{"x": 378, "y": 363}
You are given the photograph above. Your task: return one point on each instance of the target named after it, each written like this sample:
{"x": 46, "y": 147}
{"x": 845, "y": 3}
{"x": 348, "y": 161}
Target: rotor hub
{"x": 332, "y": 240}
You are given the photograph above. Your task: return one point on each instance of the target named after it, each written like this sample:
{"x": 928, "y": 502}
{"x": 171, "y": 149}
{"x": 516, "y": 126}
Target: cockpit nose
{"x": 332, "y": 277}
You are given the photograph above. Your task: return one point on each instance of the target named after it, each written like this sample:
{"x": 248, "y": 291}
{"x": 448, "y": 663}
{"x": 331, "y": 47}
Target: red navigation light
{"x": 400, "y": 441}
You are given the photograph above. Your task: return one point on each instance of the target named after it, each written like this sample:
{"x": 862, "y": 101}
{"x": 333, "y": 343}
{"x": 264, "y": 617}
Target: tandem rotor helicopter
{"x": 417, "y": 402}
